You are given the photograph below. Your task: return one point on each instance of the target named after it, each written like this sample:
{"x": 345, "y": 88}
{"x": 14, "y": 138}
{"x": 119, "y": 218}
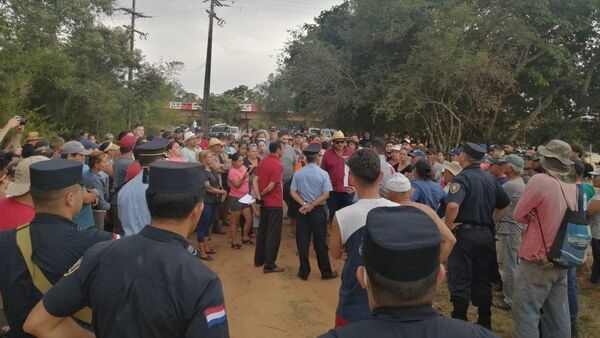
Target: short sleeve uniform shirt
{"x": 145, "y": 285}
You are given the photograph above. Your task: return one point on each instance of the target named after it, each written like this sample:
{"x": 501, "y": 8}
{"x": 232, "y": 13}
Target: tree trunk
{"x": 545, "y": 103}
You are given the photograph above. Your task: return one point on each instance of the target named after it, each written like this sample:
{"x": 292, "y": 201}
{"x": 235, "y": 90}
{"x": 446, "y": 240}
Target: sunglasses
{"x": 338, "y": 142}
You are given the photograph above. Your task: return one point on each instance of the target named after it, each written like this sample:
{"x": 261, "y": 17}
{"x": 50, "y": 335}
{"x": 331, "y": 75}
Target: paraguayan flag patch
{"x": 215, "y": 315}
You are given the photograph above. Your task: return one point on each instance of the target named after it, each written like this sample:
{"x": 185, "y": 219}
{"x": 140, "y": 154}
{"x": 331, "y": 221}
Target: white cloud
{"x": 244, "y": 50}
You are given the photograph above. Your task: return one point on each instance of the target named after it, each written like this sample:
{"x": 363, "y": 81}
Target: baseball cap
{"x": 127, "y": 141}
{"x": 74, "y": 147}
{"x": 417, "y": 153}
{"x": 188, "y": 135}
{"x": 454, "y": 152}
{"x": 20, "y": 186}
{"x": 87, "y": 144}
{"x": 515, "y": 160}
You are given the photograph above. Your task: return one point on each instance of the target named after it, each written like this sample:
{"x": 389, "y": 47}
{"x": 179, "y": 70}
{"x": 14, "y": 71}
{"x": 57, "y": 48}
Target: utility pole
{"x": 132, "y": 31}
{"x": 220, "y": 22}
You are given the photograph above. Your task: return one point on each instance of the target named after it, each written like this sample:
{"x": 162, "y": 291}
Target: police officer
{"x": 475, "y": 201}
{"x": 401, "y": 270}
{"x": 148, "y": 284}
{"x": 133, "y": 211}
{"x": 35, "y": 255}
{"x": 310, "y": 188}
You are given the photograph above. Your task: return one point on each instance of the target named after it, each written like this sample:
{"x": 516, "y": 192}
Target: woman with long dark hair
{"x": 425, "y": 190}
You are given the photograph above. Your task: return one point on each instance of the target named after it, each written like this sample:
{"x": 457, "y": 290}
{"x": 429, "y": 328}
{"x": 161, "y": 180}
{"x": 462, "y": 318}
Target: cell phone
{"x": 23, "y": 121}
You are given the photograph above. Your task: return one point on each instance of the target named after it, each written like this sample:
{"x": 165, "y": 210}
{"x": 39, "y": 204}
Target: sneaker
{"x": 274, "y": 269}
{"x": 501, "y": 304}
{"x": 334, "y": 275}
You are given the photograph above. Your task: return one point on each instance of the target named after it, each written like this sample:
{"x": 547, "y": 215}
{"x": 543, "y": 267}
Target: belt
{"x": 472, "y": 226}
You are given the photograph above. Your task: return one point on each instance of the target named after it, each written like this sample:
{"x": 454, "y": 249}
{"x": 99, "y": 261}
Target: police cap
{"x": 170, "y": 178}
{"x": 476, "y": 151}
{"x": 55, "y": 174}
{"x": 156, "y": 147}
{"x": 312, "y": 149}
{"x": 401, "y": 243}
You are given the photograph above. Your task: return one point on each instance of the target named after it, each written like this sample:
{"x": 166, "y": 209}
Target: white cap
{"x": 398, "y": 183}
{"x": 188, "y": 135}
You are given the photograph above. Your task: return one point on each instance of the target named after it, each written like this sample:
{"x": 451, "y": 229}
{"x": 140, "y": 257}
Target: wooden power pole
{"x": 205, "y": 101}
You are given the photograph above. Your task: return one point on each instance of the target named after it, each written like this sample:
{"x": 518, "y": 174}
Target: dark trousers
{"x": 313, "y": 224}
{"x": 269, "y": 237}
{"x": 337, "y": 201}
{"x": 595, "y": 277}
{"x": 208, "y": 213}
{"x": 470, "y": 270}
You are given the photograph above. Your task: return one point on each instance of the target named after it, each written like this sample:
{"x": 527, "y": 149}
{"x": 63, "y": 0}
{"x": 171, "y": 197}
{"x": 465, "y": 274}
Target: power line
{"x": 211, "y": 17}
{"x": 132, "y": 32}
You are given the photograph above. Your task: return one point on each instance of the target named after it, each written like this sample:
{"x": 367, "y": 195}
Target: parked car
{"x": 314, "y": 131}
{"x": 235, "y": 132}
{"x": 219, "y": 129}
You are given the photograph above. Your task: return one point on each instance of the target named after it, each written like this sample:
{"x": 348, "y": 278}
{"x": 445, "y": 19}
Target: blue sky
{"x": 245, "y": 49}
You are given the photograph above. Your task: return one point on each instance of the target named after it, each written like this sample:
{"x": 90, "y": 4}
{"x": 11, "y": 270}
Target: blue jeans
{"x": 572, "y": 290}
{"x": 208, "y": 213}
{"x": 507, "y": 248}
{"x": 538, "y": 288}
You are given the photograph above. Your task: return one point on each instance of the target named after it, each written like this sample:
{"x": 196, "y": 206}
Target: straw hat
{"x": 214, "y": 142}
{"x": 338, "y": 135}
{"x": 454, "y": 167}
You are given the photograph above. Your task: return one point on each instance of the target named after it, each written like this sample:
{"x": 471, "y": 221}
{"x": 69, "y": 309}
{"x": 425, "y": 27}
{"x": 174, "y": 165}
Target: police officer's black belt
{"x": 472, "y": 226}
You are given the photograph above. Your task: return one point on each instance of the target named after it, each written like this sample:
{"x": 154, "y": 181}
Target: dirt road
{"x": 278, "y": 304}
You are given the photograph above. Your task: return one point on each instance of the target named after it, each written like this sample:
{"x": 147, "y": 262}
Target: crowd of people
{"x": 399, "y": 213}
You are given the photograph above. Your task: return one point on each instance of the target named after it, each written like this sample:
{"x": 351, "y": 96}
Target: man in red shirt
{"x": 17, "y": 209}
{"x": 269, "y": 193}
{"x": 334, "y": 163}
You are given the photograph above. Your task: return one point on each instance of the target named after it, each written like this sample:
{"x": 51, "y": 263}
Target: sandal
{"x": 206, "y": 258}
{"x": 247, "y": 241}
{"x": 236, "y": 246}
{"x": 211, "y": 252}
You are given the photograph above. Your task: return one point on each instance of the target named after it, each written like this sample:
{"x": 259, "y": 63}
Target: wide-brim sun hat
{"x": 338, "y": 135}
{"x": 214, "y": 142}
{"x": 555, "y": 158}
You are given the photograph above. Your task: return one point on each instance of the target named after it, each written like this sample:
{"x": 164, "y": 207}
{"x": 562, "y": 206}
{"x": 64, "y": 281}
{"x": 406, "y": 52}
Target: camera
{"x": 23, "y": 121}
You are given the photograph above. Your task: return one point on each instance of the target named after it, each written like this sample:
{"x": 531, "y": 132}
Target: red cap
{"x": 127, "y": 141}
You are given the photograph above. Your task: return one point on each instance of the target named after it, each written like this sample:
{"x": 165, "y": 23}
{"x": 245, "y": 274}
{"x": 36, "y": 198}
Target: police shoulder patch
{"x": 454, "y": 188}
{"x": 74, "y": 267}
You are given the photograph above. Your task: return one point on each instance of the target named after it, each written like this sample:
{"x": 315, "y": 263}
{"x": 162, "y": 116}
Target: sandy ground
{"x": 278, "y": 304}
{"x": 281, "y": 305}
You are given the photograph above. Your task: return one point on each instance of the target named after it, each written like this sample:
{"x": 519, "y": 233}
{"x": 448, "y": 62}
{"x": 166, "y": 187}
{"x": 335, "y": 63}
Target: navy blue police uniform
{"x": 405, "y": 252}
{"x": 148, "y": 284}
{"x": 472, "y": 262}
{"x": 55, "y": 242}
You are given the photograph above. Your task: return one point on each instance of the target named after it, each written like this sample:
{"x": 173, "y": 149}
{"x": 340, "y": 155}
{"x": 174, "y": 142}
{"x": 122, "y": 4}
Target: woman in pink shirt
{"x": 174, "y": 152}
{"x": 239, "y": 186}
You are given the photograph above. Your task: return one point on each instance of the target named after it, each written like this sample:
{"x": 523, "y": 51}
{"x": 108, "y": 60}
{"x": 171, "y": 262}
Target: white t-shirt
{"x": 353, "y": 217}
